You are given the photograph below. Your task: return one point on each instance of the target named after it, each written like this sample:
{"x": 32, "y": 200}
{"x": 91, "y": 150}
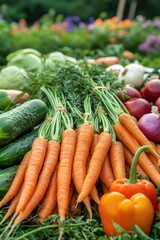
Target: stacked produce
{"x": 80, "y": 153}
{"x": 68, "y": 150}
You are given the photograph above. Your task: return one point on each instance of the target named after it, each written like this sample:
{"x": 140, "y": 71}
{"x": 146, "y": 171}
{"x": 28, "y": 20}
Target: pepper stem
{"x": 132, "y": 175}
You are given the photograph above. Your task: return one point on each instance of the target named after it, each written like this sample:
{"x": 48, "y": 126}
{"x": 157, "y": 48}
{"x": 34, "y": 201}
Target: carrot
{"x": 50, "y": 198}
{"x": 128, "y": 158}
{"x": 35, "y": 164}
{"x": 129, "y": 141}
{"x": 71, "y": 191}
{"x": 17, "y": 181}
{"x": 74, "y": 211}
{"x": 104, "y": 188}
{"x": 154, "y": 161}
{"x": 158, "y": 148}
{"x": 95, "y": 165}
{"x": 94, "y": 143}
{"x": 106, "y": 174}
{"x": 116, "y": 155}
{"x": 127, "y": 167}
{"x": 154, "y": 145}
{"x": 12, "y": 207}
{"x": 51, "y": 159}
{"x": 68, "y": 147}
{"x": 132, "y": 127}
{"x": 94, "y": 192}
{"x": 84, "y": 139}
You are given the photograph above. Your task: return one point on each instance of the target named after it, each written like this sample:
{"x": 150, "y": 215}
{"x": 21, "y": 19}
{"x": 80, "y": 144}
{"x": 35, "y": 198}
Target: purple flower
{"x": 151, "y": 44}
{"x": 144, "y": 47}
{"x": 147, "y": 23}
{"x": 73, "y": 19}
{"x": 91, "y": 20}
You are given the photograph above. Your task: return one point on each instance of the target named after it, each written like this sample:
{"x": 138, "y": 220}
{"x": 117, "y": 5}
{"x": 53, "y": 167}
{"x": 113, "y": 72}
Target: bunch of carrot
{"x": 69, "y": 165}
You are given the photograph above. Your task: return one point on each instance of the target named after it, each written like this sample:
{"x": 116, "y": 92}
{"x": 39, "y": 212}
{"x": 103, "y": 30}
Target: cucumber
{"x": 6, "y": 177}
{"x": 5, "y": 99}
{"x": 13, "y": 153}
{"x": 21, "y": 119}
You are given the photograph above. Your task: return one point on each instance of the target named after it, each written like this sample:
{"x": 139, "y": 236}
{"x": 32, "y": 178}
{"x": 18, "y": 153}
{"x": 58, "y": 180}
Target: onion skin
{"x": 138, "y": 107}
{"x": 157, "y": 103}
{"x": 127, "y": 93}
{"x": 149, "y": 124}
{"x": 152, "y": 90}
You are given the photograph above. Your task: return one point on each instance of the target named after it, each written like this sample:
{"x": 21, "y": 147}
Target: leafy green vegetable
{"x": 55, "y": 59}
{"x": 13, "y": 77}
{"x": 29, "y": 59}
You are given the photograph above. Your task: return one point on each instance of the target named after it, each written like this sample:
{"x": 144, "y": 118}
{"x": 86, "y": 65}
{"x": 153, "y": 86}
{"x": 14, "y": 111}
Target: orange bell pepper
{"x": 115, "y": 207}
{"x": 130, "y": 186}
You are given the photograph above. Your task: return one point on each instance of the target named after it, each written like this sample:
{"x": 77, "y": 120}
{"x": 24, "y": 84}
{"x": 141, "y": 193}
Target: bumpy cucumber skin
{"x": 13, "y": 152}
{"x": 21, "y": 119}
{"x": 6, "y": 177}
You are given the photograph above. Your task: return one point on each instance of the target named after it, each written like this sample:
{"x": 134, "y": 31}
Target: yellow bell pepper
{"x": 115, "y": 207}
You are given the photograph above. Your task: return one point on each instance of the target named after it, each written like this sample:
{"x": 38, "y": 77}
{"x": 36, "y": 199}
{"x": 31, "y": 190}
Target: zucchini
{"x": 5, "y": 99}
{"x": 21, "y": 119}
{"x": 6, "y": 177}
{"x": 13, "y": 153}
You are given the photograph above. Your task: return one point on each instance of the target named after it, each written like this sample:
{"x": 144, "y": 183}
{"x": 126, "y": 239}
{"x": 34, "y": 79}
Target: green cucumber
{"x": 21, "y": 119}
{"x": 5, "y": 99}
{"x": 13, "y": 153}
{"x": 6, "y": 177}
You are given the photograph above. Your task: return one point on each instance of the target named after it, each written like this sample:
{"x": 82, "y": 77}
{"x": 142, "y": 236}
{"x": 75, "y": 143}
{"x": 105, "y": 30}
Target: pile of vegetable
{"x": 77, "y": 155}
{"x": 65, "y": 146}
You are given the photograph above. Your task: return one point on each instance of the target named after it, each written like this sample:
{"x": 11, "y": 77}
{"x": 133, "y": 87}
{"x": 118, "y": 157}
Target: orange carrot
{"x": 104, "y": 188}
{"x": 71, "y": 190}
{"x": 74, "y": 210}
{"x": 50, "y": 198}
{"x": 68, "y": 147}
{"x": 94, "y": 192}
{"x": 84, "y": 139}
{"x": 133, "y": 128}
{"x": 158, "y": 148}
{"x": 154, "y": 161}
{"x": 17, "y": 181}
{"x": 116, "y": 155}
{"x": 106, "y": 174}
{"x": 51, "y": 159}
{"x": 12, "y": 207}
{"x": 35, "y": 164}
{"x": 95, "y": 165}
{"x": 129, "y": 141}
{"x": 94, "y": 142}
{"x": 127, "y": 167}
{"x": 154, "y": 145}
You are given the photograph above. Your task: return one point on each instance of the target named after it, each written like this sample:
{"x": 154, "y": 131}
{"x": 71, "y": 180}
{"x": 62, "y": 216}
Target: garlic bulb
{"x": 132, "y": 74}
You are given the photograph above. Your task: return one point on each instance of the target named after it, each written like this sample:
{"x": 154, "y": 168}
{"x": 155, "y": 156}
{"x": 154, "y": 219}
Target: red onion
{"x": 149, "y": 124}
{"x": 157, "y": 103}
{"x": 152, "y": 90}
{"x": 138, "y": 107}
{"x": 127, "y": 93}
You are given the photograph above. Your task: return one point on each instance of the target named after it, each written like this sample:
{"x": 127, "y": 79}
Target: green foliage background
{"x": 32, "y": 10}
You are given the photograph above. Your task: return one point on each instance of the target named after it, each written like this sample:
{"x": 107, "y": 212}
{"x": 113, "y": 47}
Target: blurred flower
{"x": 151, "y": 44}
{"x": 72, "y": 19}
{"x": 147, "y": 23}
{"x": 22, "y": 22}
{"x": 36, "y": 26}
{"x": 140, "y": 18}
{"x": 156, "y": 23}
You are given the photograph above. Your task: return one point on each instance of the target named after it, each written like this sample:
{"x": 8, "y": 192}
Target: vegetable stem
{"x": 132, "y": 175}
